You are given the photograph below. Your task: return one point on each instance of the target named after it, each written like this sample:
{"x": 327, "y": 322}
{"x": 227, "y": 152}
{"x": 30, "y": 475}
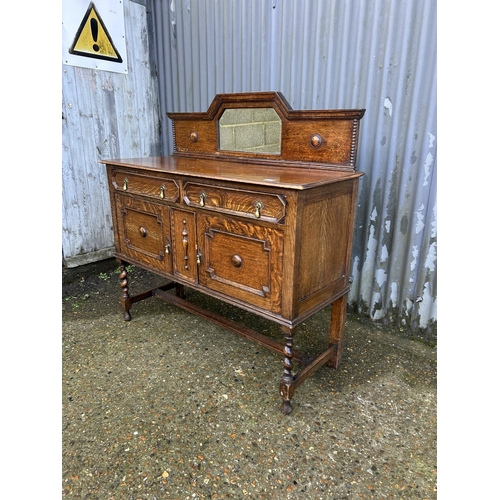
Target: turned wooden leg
{"x": 125, "y": 297}
{"x": 286, "y": 389}
{"x": 337, "y": 325}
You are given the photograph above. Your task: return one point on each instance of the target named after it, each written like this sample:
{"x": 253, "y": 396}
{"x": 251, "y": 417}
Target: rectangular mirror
{"x": 250, "y": 130}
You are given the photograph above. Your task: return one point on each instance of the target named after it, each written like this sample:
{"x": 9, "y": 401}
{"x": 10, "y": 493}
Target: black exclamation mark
{"x": 94, "y": 26}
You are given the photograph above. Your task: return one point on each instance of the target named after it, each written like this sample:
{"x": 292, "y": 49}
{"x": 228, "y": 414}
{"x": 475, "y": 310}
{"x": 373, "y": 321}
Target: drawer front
{"x": 150, "y": 186}
{"x": 144, "y": 232}
{"x": 241, "y": 260}
{"x": 264, "y": 206}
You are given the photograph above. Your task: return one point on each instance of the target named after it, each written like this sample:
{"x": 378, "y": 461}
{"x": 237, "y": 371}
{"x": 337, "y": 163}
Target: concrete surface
{"x": 170, "y": 406}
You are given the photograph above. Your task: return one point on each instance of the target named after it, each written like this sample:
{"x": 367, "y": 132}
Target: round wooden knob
{"x": 143, "y": 232}
{"x": 236, "y": 260}
{"x": 316, "y": 140}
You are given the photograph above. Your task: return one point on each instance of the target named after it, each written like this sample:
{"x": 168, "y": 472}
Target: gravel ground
{"x": 170, "y": 406}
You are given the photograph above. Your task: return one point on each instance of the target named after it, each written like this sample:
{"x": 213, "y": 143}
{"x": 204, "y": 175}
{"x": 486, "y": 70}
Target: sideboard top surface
{"x": 277, "y": 176}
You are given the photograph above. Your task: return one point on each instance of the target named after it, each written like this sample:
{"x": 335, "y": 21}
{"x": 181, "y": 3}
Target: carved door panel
{"x": 184, "y": 245}
{"x": 144, "y": 232}
{"x": 241, "y": 259}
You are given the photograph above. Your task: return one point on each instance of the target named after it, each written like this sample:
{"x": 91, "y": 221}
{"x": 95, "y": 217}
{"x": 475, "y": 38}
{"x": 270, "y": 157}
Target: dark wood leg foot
{"x": 286, "y": 407}
{"x": 125, "y": 301}
{"x": 286, "y": 388}
{"x": 337, "y": 325}
{"x": 179, "y": 291}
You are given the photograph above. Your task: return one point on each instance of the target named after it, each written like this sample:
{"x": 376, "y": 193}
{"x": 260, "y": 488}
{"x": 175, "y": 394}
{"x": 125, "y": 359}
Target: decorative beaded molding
{"x": 354, "y": 142}
{"x": 173, "y": 136}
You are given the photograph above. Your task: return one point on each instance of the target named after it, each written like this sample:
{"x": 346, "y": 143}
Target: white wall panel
{"x": 104, "y": 115}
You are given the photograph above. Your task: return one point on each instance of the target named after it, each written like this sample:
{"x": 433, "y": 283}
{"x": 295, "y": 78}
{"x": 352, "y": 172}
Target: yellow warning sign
{"x": 93, "y": 40}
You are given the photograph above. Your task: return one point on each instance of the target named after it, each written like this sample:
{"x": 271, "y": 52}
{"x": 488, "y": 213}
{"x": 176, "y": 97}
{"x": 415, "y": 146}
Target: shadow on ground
{"x": 170, "y": 406}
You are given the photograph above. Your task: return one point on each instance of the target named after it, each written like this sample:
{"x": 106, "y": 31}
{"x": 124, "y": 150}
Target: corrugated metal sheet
{"x": 373, "y": 54}
{"x": 104, "y": 115}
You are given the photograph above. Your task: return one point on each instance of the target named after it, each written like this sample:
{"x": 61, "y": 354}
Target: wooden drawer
{"x": 242, "y": 260}
{"x": 153, "y": 187}
{"x": 264, "y": 206}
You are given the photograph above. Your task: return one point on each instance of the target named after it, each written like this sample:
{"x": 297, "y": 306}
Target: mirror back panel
{"x": 273, "y": 132}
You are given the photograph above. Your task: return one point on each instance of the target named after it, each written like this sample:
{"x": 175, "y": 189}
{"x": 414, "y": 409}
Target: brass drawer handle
{"x": 203, "y": 197}
{"x": 167, "y": 249}
{"x": 162, "y": 191}
{"x": 258, "y": 207}
{"x": 198, "y": 258}
{"x": 125, "y": 184}
{"x": 143, "y": 231}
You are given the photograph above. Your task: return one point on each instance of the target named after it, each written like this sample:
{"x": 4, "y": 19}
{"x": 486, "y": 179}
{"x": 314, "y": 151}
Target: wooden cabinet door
{"x": 242, "y": 260}
{"x": 184, "y": 244}
{"x": 144, "y": 232}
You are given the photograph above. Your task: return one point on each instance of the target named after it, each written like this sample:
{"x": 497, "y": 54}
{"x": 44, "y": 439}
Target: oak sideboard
{"x": 255, "y": 207}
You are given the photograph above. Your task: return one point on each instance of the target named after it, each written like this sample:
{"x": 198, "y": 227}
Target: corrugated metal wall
{"x": 105, "y": 115}
{"x": 373, "y": 54}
